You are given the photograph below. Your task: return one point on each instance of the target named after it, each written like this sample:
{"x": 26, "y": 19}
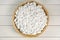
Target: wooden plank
{"x": 18, "y": 1}
{"x": 54, "y": 20}
{"x": 29, "y": 38}
{"x": 52, "y": 1}
{"x": 15, "y": 1}
{"x": 9, "y": 32}
{"x": 10, "y": 1}
{"x": 9, "y": 9}
{"x": 21, "y": 38}
{"x": 53, "y": 9}
{"x": 7, "y": 20}
{"x": 52, "y": 31}
{"x": 51, "y": 38}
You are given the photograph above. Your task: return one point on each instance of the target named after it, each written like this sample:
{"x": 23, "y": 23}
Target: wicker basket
{"x": 13, "y": 17}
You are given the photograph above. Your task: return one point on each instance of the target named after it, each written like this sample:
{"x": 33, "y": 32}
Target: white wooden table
{"x": 7, "y": 32}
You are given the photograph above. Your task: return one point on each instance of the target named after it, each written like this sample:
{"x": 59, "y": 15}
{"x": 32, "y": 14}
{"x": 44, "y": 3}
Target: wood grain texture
{"x": 30, "y": 39}
{"x": 7, "y": 32}
{"x": 7, "y": 20}
{"x": 9, "y": 9}
{"x": 52, "y": 1}
{"x": 15, "y": 1}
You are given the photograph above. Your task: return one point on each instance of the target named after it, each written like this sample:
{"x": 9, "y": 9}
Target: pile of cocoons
{"x": 30, "y": 18}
